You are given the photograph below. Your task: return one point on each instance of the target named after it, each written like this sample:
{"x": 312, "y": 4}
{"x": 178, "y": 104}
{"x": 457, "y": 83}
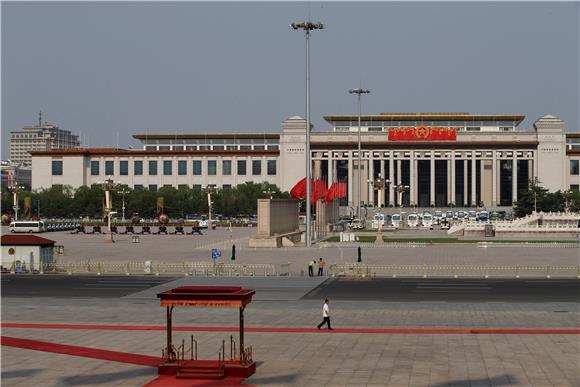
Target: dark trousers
{"x": 319, "y": 271}
{"x": 310, "y": 271}
{"x": 325, "y": 320}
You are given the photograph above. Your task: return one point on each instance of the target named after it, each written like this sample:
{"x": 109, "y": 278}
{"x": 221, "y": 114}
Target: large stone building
{"x": 458, "y": 159}
{"x": 41, "y": 137}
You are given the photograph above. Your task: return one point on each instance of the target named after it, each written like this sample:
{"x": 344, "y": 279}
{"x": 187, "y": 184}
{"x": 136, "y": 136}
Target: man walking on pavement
{"x": 320, "y": 267}
{"x": 325, "y": 315}
{"x": 311, "y": 268}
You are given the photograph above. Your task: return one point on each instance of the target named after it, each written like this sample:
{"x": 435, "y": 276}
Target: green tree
{"x": 540, "y": 199}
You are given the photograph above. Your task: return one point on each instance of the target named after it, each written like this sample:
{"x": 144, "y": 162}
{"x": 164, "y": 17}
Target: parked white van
{"x": 27, "y": 226}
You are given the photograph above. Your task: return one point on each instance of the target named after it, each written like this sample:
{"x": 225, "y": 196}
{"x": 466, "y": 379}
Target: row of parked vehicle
{"x": 437, "y": 218}
{"x": 41, "y": 226}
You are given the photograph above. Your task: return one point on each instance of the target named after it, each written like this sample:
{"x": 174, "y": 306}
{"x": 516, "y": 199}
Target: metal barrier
{"x": 149, "y": 267}
{"x": 335, "y": 270}
{"x": 546, "y": 244}
{"x": 454, "y": 271}
{"x": 373, "y": 245}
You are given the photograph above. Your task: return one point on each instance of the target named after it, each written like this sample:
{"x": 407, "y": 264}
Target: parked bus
{"x": 27, "y": 226}
{"x": 379, "y": 221}
{"x": 413, "y": 220}
{"x": 396, "y": 220}
{"x": 427, "y": 220}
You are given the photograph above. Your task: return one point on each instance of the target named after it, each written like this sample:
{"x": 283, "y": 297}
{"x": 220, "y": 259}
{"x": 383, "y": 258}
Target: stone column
{"x": 399, "y": 179}
{"x": 448, "y": 196}
{"x": 371, "y": 177}
{"x": 473, "y": 180}
{"x": 392, "y": 180}
{"x": 330, "y": 169}
{"x": 317, "y": 169}
{"x": 382, "y": 202}
{"x": 515, "y": 176}
{"x": 465, "y": 190}
{"x": 432, "y": 178}
{"x": 453, "y": 179}
{"x": 412, "y": 173}
{"x": 494, "y": 179}
{"x": 350, "y": 180}
{"x": 498, "y": 181}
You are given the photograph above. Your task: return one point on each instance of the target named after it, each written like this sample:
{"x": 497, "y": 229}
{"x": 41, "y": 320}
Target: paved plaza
{"x": 87, "y": 330}
{"x": 197, "y": 248}
{"x": 372, "y": 344}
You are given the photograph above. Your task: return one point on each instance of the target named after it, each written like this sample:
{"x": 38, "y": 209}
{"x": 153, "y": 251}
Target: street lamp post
{"x": 307, "y": 27}
{"x": 15, "y": 188}
{"x": 123, "y": 194}
{"x": 358, "y": 92}
{"x": 379, "y": 184}
{"x": 109, "y": 185}
{"x": 209, "y": 190}
{"x": 400, "y": 189}
{"x": 268, "y": 192}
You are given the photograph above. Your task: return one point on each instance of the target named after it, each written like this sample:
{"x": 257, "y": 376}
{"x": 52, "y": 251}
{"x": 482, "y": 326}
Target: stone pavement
{"x": 305, "y": 357}
{"x": 196, "y": 248}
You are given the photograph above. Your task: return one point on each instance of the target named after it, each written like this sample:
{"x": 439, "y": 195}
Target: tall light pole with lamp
{"x": 400, "y": 189}
{"x": 15, "y": 188}
{"x": 307, "y": 27}
{"x": 109, "y": 186}
{"x": 209, "y": 190}
{"x": 124, "y": 192}
{"x": 358, "y": 92}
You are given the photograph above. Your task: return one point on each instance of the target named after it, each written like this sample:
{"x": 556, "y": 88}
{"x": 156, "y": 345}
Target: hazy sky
{"x": 108, "y": 68}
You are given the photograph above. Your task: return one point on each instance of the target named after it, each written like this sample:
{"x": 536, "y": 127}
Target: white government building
{"x": 457, "y": 159}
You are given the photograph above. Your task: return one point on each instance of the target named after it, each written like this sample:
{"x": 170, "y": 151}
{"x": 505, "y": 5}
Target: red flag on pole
{"x": 299, "y": 190}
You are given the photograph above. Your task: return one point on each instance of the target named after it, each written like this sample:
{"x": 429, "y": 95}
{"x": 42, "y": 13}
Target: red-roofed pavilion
{"x": 240, "y": 364}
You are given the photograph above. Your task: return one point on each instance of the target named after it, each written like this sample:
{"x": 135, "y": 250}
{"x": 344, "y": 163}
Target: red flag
{"x": 319, "y": 191}
{"x": 332, "y": 192}
{"x": 342, "y": 191}
{"x": 299, "y": 190}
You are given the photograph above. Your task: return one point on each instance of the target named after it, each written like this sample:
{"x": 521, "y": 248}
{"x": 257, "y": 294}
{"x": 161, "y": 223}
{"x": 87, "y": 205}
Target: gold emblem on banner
{"x": 422, "y": 131}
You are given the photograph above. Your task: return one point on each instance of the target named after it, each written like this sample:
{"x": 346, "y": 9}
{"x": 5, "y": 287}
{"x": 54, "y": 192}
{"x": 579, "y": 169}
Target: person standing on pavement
{"x": 311, "y": 268}
{"x": 325, "y": 315}
{"x": 320, "y": 267}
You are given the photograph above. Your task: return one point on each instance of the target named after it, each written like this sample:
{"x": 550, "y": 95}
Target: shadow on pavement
{"x": 106, "y": 378}
{"x": 271, "y": 380}
{"x": 502, "y": 380}
{"x": 21, "y": 373}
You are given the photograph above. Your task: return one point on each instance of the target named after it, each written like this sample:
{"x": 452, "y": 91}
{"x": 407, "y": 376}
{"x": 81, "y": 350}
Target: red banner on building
{"x": 422, "y": 133}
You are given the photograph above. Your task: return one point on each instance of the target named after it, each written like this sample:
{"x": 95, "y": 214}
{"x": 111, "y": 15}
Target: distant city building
{"x": 13, "y": 174}
{"x": 442, "y": 159}
{"x": 41, "y": 137}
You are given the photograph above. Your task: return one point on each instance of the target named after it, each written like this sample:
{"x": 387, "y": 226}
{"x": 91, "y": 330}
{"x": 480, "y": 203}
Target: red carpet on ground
{"x": 73, "y": 350}
{"x": 171, "y": 381}
{"x": 387, "y": 331}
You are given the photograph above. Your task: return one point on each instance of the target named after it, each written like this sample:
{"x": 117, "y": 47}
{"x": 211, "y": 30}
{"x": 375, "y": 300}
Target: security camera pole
{"x": 307, "y": 27}
{"x": 359, "y": 91}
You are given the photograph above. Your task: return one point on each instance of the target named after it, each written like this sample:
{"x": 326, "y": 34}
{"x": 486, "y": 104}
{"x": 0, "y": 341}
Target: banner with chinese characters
{"x": 422, "y": 133}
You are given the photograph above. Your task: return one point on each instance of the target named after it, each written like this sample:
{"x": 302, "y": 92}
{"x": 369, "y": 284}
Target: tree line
{"x": 88, "y": 201}
{"x": 540, "y": 199}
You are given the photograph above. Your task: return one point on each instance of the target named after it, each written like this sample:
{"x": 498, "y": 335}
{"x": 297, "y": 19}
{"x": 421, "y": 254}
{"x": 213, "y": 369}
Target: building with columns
{"x": 444, "y": 159}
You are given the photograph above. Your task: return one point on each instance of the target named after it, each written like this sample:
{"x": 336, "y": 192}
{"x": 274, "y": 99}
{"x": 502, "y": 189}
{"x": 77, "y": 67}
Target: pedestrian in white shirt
{"x": 325, "y": 315}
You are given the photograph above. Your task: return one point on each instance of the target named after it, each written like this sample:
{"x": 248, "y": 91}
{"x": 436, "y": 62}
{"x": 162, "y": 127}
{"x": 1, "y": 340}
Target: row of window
{"x": 154, "y": 187}
{"x": 384, "y": 129}
{"x": 196, "y": 167}
{"x": 211, "y": 147}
